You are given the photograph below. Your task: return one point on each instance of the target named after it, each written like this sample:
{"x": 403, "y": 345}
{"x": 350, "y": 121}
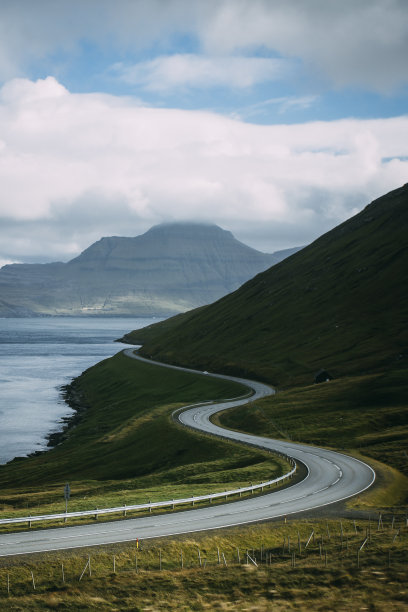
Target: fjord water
{"x": 37, "y": 356}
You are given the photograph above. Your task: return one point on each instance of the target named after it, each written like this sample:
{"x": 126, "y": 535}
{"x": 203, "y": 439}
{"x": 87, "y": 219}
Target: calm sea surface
{"x": 37, "y": 356}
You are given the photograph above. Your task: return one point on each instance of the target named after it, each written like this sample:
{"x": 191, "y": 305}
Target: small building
{"x": 322, "y": 376}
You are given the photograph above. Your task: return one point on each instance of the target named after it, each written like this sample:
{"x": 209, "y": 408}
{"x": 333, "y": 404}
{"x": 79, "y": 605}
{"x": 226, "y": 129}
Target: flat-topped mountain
{"x": 340, "y": 304}
{"x": 169, "y": 269}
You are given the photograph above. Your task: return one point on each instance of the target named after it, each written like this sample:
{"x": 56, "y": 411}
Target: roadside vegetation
{"x": 300, "y": 565}
{"x": 363, "y": 415}
{"x": 125, "y": 448}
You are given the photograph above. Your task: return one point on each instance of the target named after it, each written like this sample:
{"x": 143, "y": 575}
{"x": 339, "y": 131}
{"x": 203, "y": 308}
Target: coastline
{"x": 75, "y": 400}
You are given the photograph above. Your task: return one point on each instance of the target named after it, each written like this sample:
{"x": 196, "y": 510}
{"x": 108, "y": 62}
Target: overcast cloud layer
{"x": 168, "y": 135}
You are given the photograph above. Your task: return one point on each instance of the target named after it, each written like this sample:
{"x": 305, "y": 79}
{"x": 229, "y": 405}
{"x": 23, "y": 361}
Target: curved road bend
{"x": 331, "y": 477}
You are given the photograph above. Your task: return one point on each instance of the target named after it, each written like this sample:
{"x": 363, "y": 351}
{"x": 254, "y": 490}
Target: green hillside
{"x": 125, "y": 448}
{"x": 339, "y": 304}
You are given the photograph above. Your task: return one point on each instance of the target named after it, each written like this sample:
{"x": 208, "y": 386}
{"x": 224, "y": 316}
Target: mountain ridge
{"x": 339, "y": 304}
{"x": 169, "y": 269}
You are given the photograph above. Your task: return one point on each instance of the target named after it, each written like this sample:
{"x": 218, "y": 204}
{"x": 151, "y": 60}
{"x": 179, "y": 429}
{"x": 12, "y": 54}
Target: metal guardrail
{"x": 150, "y": 505}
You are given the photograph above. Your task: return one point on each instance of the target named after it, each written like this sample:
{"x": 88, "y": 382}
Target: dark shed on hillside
{"x": 323, "y": 376}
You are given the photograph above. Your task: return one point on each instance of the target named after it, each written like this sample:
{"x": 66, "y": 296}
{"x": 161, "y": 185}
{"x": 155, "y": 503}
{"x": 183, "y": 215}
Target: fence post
{"x": 83, "y": 571}
{"x": 310, "y": 537}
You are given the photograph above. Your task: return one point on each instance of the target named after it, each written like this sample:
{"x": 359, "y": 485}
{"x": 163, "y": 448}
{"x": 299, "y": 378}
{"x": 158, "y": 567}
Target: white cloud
{"x": 284, "y": 103}
{"x": 6, "y": 262}
{"x": 74, "y": 167}
{"x": 188, "y": 70}
{"x": 360, "y": 43}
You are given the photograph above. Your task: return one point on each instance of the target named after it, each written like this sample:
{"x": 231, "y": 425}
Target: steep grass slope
{"x": 339, "y": 304}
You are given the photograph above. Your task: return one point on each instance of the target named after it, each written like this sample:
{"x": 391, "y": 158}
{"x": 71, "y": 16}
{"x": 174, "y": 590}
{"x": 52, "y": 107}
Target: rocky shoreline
{"x": 75, "y": 400}
{"x": 73, "y": 397}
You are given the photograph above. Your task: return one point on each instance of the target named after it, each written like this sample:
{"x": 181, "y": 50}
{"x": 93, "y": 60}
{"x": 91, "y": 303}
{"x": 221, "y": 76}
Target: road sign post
{"x": 67, "y": 493}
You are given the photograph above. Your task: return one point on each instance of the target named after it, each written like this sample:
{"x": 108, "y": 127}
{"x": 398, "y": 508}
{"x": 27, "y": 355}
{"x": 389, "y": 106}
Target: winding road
{"x": 331, "y": 477}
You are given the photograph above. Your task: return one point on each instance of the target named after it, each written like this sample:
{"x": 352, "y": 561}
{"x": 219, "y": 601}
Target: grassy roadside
{"x": 126, "y": 450}
{"x": 328, "y": 573}
{"x": 364, "y": 415}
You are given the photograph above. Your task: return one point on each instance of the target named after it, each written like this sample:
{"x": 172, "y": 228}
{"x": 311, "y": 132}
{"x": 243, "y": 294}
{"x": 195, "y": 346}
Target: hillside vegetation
{"x": 125, "y": 447}
{"x": 339, "y": 304}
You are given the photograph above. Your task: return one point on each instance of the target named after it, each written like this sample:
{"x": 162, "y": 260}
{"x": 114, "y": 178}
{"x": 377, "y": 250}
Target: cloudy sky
{"x": 275, "y": 119}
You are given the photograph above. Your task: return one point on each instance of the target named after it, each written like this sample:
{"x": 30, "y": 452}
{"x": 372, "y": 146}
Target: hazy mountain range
{"x": 169, "y": 269}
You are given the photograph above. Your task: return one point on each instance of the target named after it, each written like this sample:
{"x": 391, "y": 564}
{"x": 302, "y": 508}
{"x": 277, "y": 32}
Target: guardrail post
{"x": 150, "y": 507}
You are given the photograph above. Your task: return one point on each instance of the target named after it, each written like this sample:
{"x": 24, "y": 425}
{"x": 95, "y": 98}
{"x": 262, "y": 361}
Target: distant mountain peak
{"x": 171, "y": 268}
